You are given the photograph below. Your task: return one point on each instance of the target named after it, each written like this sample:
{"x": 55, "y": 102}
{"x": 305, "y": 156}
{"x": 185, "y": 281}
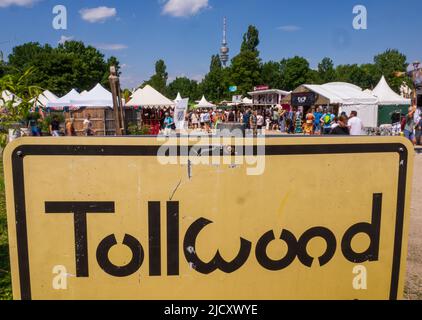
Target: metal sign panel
{"x": 129, "y": 218}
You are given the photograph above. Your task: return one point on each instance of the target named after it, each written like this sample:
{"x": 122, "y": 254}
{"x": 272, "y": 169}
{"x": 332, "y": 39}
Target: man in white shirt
{"x": 355, "y": 124}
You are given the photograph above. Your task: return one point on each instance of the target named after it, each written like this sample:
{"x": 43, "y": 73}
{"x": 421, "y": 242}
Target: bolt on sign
{"x": 124, "y": 218}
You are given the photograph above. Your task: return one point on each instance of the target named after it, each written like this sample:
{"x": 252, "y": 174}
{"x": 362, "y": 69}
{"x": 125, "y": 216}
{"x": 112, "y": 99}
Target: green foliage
{"x": 159, "y": 80}
{"x": 389, "y": 63}
{"x": 186, "y": 87}
{"x": 213, "y": 85}
{"x": 250, "y": 40}
{"x": 16, "y": 111}
{"x": 295, "y": 72}
{"x": 271, "y": 74}
{"x": 326, "y": 71}
{"x": 245, "y": 71}
{"x": 70, "y": 65}
{"x": 135, "y": 130}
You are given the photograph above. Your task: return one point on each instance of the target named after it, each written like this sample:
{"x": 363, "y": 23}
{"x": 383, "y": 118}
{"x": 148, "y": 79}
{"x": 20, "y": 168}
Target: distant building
{"x": 224, "y": 50}
{"x": 267, "y": 97}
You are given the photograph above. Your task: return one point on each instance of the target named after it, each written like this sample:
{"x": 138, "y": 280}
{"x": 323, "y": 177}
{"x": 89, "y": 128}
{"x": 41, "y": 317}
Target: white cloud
{"x": 99, "y": 14}
{"x": 184, "y": 8}
{"x": 290, "y": 28}
{"x": 20, "y": 3}
{"x": 63, "y": 39}
{"x": 111, "y": 46}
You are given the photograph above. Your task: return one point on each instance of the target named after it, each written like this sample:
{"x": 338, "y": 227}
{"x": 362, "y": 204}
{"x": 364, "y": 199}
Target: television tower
{"x": 224, "y": 50}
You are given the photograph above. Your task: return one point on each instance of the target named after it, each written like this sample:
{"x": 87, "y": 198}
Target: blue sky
{"x": 185, "y": 33}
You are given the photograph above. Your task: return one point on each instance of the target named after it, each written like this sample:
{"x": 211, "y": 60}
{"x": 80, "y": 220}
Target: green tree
{"x": 246, "y": 68}
{"x": 271, "y": 74}
{"x": 159, "y": 80}
{"x": 250, "y": 40}
{"x": 213, "y": 84}
{"x": 188, "y": 88}
{"x": 388, "y": 64}
{"x": 295, "y": 72}
{"x": 326, "y": 71}
{"x": 70, "y": 65}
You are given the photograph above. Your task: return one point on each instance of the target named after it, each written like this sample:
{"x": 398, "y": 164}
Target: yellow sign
{"x": 275, "y": 218}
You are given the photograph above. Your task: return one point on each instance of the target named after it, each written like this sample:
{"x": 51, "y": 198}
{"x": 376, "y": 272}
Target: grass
{"x": 5, "y": 277}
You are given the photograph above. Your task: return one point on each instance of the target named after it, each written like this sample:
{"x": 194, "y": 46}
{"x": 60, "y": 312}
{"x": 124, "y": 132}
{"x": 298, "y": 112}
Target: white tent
{"x": 350, "y": 98}
{"x": 98, "y": 97}
{"x": 203, "y": 103}
{"x": 149, "y": 97}
{"x": 386, "y": 96}
{"x": 65, "y": 101}
{"x": 344, "y": 94}
{"x": 178, "y": 98}
{"x": 7, "y": 96}
{"x": 247, "y": 101}
{"x": 44, "y": 98}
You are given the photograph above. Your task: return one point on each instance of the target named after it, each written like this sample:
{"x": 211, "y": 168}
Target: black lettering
{"x": 372, "y": 230}
{"x": 117, "y": 271}
{"x": 173, "y": 238}
{"x": 80, "y": 210}
{"x": 321, "y": 232}
{"x": 217, "y": 262}
{"x": 154, "y": 226}
{"x": 273, "y": 265}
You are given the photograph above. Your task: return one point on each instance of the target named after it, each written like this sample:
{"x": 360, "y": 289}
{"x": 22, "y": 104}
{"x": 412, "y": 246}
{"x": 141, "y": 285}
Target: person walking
{"x": 246, "y": 119}
{"x": 326, "y": 121}
{"x": 195, "y": 120}
{"x": 253, "y": 123}
{"x": 260, "y": 121}
{"x": 341, "y": 129}
{"x": 317, "y": 124}
{"x": 33, "y": 125}
{"x": 70, "y": 128}
{"x": 88, "y": 131}
{"x": 55, "y": 127}
{"x": 355, "y": 124}
{"x": 409, "y": 128}
{"x": 168, "y": 124}
{"x": 419, "y": 132}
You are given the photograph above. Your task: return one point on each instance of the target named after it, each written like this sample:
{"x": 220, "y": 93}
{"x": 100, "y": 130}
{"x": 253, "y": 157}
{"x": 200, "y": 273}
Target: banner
{"x": 180, "y": 113}
{"x": 303, "y": 99}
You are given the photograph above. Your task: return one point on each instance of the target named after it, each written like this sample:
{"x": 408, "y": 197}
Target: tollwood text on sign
{"x": 124, "y": 226}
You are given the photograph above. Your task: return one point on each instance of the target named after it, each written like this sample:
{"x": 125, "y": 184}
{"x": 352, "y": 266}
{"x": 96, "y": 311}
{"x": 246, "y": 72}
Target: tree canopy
{"x": 70, "y": 65}
{"x": 159, "y": 80}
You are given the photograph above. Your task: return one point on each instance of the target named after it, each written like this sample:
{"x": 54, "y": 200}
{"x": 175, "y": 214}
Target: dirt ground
{"x": 413, "y": 289}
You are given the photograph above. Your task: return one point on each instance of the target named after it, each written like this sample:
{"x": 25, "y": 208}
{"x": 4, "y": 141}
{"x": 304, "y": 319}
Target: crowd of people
{"x": 317, "y": 121}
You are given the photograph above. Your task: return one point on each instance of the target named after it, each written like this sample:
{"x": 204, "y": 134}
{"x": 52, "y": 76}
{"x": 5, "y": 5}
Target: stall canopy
{"x": 65, "y": 101}
{"x": 149, "y": 97}
{"x": 178, "y": 98}
{"x": 98, "y": 97}
{"x": 344, "y": 94}
{"x": 386, "y": 96}
{"x": 7, "y": 96}
{"x": 203, "y": 103}
{"x": 390, "y": 103}
{"x": 44, "y": 98}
